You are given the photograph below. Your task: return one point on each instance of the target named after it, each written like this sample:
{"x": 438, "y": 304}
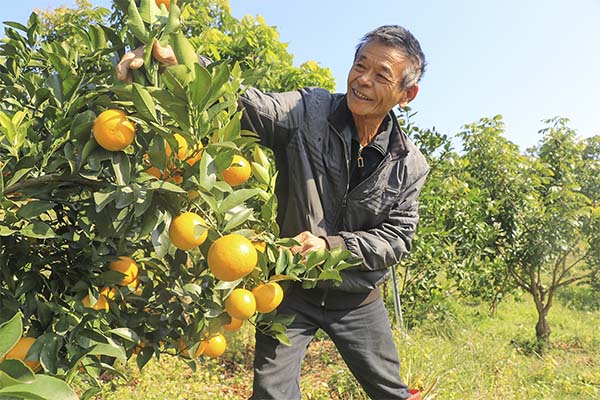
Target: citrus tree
{"x": 137, "y": 219}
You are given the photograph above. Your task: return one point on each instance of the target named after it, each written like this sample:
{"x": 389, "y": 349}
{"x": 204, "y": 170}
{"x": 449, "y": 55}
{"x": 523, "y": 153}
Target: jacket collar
{"x": 341, "y": 117}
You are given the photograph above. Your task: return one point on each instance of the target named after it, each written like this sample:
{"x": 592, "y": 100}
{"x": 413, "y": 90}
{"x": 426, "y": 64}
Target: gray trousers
{"x": 362, "y": 335}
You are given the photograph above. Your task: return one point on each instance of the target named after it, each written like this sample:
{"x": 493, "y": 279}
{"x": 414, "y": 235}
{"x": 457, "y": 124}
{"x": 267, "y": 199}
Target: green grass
{"x": 471, "y": 356}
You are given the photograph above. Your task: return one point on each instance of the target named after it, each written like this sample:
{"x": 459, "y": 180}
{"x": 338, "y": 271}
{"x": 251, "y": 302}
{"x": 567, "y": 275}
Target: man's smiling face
{"x": 374, "y": 81}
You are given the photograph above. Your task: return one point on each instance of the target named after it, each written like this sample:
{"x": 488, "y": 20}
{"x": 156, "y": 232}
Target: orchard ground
{"x": 469, "y": 355}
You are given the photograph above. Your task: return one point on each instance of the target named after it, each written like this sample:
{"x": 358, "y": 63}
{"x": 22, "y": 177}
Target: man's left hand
{"x": 308, "y": 242}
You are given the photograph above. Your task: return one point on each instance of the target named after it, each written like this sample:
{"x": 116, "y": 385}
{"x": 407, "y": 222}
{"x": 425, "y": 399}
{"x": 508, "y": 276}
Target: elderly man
{"x": 348, "y": 177}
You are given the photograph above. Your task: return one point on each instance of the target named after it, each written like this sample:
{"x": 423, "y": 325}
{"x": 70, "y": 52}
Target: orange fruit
{"x": 113, "y": 130}
{"x": 182, "y": 147}
{"x": 181, "y": 231}
{"x": 135, "y": 287}
{"x": 240, "y": 304}
{"x": 183, "y": 151}
{"x": 195, "y": 155}
{"x": 102, "y": 301}
{"x": 232, "y": 257}
{"x": 238, "y": 172}
{"x": 167, "y": 3}
{"x": 163, "y": 175}
{"x": 19, "y": 352}
{"x": 127, "y": 267}
{"x": 268, "y": 296}
{"x": 234, "y": 325}
{"x": 215, "y": 345}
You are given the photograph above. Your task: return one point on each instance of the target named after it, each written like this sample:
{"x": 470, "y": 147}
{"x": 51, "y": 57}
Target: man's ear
{"x": 409, "y": 95}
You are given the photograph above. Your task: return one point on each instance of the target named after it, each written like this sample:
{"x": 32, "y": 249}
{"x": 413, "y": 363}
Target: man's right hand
{"x": 135, "y": 60}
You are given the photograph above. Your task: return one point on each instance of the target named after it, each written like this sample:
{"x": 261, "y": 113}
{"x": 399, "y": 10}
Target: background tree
{"x": 557, "y": 237}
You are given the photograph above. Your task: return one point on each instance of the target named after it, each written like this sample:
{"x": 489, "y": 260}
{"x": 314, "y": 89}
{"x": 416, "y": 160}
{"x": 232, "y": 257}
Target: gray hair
{"x": 400, "y": 38}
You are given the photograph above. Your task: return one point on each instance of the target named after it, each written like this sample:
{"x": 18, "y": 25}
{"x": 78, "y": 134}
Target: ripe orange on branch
{"x": 128, "y": 267}
{"x": 102, "y": 301}
{"x": 113, "y": 130}
{"x": 215, "y": 345}
{"x": 234, "y": 325}
{"x": 268, "y": 296}
{"x": 19, "y": 352}
{"x": 232, "y": 257}
{"x": 183, "y": 152}
{"x": 240, "y": 304}
{"x": 182, "y": 231}
{"x": 238, "y": 172}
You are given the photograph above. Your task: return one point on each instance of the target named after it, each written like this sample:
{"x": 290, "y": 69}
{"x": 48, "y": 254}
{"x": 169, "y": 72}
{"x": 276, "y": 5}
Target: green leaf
{"x": 81, "y": 126}
{"x": 330, "y": 274}
{"x": 236, "y": 198}
{"x": 335, "y": 256}
{"x": 260, "y": 173}
{"x": 237, "y": 219}
{"x": 144, "y": 356}
{"x": 173, "y": 22}
{"x": 10, "y": 333}
{"x": 283, "y": 338}
{"x": 6, "y": 231}
{"x": 121, "y": 166}
{"x": 208, "y": 172}
{"x": 109, "y": 349}
{"x": 261, "y": 158}
{"x": 42, "y": 388}
{"x": 193, "y": 289}
{"x": 50, "y": 345}
{"x": 38, "y": 230}
{"x": 102, "y": 199}
{"x": 232, "y": 129}
{"x": 176, "y": 78}
{"x": 14, "y": 372}
{"x": 125, "y": 333}
{"x": 166, "y": 187}
{"x": 143, "y": 102}
{"x": 282, "y": 261}
{"x": 34, "y": 208}
{"x": 184, "y": 51}
{"x": 227, "y": 285}
{"x": 200, "y": 86}
{"x": 176, "y": 107}
{"x": 315, "y": 258}
{"x": 136, "y": 24}
{"x": 148, "y": 11}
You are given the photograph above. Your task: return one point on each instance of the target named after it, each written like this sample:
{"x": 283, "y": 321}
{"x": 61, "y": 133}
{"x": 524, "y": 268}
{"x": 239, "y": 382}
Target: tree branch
{"x": 575, "y": 279}
{"x": 44, "y": 179}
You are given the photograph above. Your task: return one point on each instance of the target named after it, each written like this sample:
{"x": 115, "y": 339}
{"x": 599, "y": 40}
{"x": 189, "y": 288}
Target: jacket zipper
{"x": 342, "y": 208}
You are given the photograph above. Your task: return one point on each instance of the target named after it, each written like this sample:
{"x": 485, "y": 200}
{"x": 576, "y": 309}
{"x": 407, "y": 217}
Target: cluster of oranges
{"x": 241, "y": 305}
{"x": 114, "y": 131}
{"x": 230, "y": 258}
{"x": 130, "y": 271}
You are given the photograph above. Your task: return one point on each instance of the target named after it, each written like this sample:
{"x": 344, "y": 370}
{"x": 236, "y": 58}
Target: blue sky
{"x": 527, "y": 60}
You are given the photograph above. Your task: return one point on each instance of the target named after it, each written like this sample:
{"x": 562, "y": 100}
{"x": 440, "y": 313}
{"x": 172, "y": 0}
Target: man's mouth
{"x": 360, "y": 95}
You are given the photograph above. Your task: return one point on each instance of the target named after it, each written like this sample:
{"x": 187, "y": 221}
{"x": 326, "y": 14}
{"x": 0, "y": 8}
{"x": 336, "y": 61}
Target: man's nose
{"x": 365, "y": 78}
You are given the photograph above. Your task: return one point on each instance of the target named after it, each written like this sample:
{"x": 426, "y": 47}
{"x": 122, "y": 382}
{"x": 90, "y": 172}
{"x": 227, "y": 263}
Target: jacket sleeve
{"x": 274, "y": 117}
{"x": 384, "y": 245}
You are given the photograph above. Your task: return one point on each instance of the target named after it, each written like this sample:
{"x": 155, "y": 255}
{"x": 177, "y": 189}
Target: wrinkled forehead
{"x": 396, "y": 51}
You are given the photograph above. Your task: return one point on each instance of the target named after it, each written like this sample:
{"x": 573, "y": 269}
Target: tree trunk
{"x": 542, "y": 330}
